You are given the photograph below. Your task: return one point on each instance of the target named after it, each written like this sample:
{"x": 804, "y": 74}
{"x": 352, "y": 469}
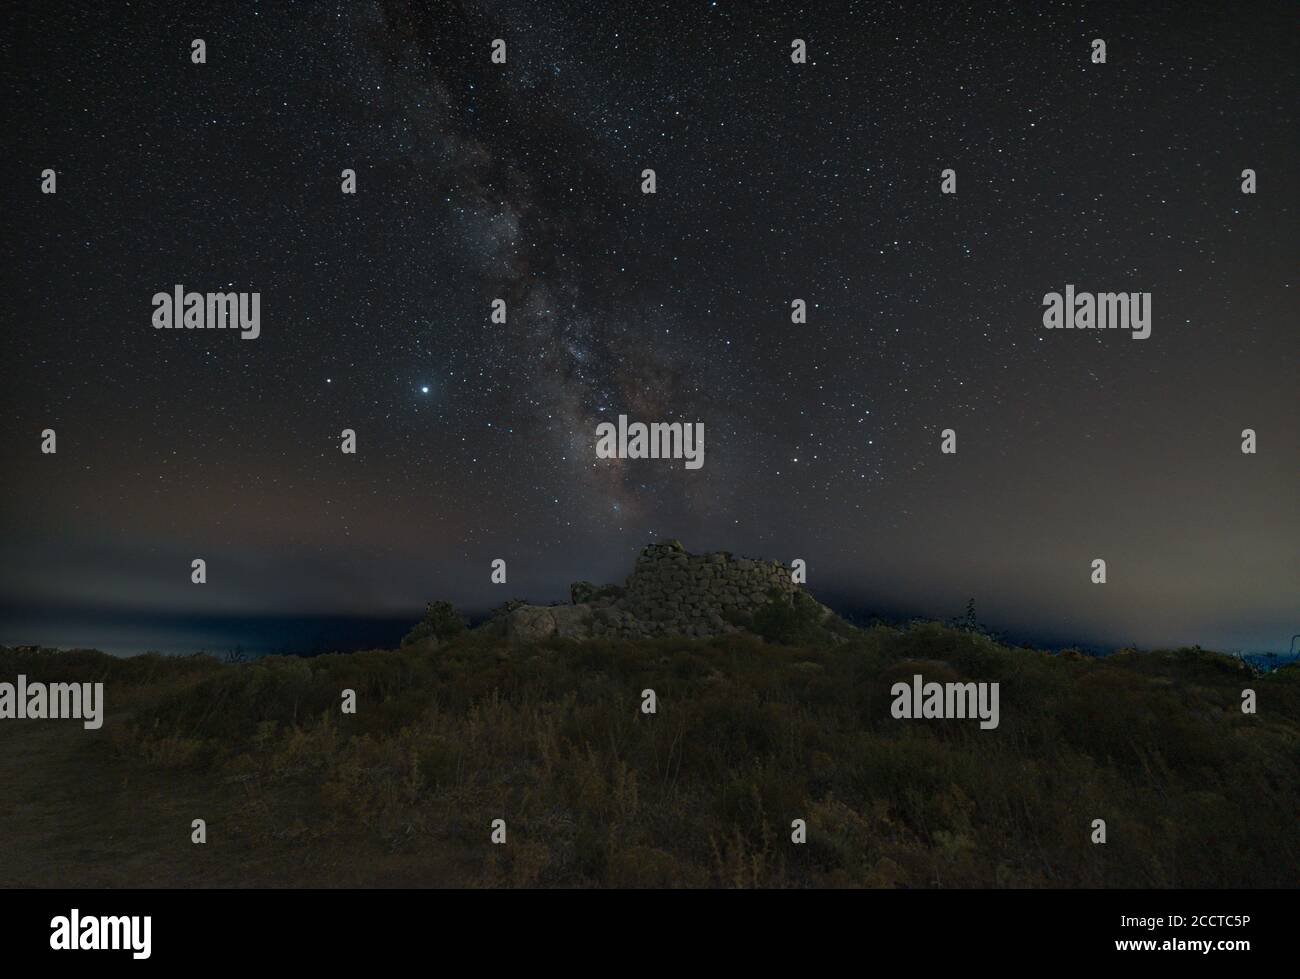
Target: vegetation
{"x": 585, "y": 591}
{"x": 788, "y": 619}
{"x": 747, "y": 737}
{"x": 441, "y": 621}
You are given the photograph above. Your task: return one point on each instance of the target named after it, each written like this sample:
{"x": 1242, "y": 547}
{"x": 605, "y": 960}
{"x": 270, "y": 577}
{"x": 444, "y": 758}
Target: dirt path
{"x": 73, "y": 813}
{"x": 70, "y": 815}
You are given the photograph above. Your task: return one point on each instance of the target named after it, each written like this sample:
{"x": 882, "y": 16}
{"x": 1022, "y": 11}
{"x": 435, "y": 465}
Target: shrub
{"x": 750, "y": 736}
{"x": 789, "y": 619}
{"x": 441, "y": 622}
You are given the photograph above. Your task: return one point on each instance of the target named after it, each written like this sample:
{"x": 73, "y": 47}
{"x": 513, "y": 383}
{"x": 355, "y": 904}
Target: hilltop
{"x": 670, "y": 592}
{"x": 749, "y": 735}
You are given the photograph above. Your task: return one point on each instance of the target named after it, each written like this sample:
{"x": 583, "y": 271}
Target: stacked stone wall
{"x": 670, "y": 592}
{"x": 673, "y": 591}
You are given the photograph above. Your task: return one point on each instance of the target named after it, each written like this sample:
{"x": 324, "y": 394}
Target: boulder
{"x": 530, "y": 622}
{"x": 572, "y": 621}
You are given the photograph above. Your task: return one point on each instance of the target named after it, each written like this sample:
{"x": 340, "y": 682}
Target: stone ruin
{"x": 670, "y": 592}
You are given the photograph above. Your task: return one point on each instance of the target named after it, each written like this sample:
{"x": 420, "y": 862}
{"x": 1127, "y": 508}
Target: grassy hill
{"x": 748, "y": 736}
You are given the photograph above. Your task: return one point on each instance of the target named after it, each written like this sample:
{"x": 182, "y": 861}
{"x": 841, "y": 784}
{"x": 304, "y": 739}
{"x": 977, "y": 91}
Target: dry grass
{"x": 748, "y": 737}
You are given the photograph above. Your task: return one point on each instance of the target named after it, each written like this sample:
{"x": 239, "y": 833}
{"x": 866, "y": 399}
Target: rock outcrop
{"x": 670, "y": 592}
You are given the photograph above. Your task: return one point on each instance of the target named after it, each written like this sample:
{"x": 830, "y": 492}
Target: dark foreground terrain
{"x": 748, "y": 736}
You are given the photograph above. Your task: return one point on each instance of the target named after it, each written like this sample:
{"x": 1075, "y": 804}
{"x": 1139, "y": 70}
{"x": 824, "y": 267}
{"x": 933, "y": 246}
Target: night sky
{"x": 775, "y": 181}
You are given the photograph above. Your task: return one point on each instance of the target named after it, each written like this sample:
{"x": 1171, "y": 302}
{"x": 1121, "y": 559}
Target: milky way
{"x": 775, "y": 181}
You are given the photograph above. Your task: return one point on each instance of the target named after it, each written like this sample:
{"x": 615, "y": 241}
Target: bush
{"x": 441, "y": 622}
{"x": 750, "y": 736}
{"x": 789, "y": 619}
{"x": 582, "y": 592}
